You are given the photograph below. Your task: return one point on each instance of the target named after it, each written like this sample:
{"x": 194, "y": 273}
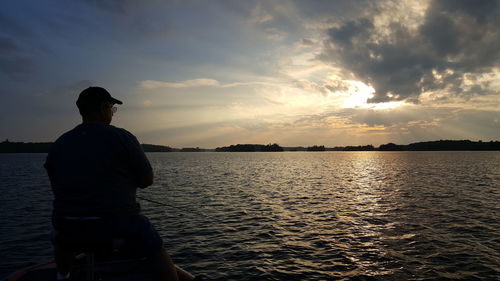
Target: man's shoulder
{"x": 67, "y": 134}
{"x": 102, "y": 131}
{"x": 121, "y": 131}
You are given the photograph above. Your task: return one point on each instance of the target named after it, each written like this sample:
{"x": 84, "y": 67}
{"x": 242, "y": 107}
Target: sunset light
{"x": 250, "y": 140}
{"x": 259, "y": 71}
{"x": 357, "y": 94}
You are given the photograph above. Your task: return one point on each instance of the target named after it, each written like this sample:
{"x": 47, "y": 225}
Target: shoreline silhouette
{"x": 439, "y": 145}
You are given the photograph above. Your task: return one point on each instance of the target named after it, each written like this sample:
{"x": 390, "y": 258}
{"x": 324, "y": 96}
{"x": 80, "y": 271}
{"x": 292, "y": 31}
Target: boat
{"x": 124, "y": 270}
{"x": 113, "y": 260}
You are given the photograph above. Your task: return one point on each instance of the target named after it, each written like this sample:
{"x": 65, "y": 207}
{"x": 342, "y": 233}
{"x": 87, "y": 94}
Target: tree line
{"x": 440, "y": 145}
{"x": 250, "y": 148}
{"x": 43, "y": 147}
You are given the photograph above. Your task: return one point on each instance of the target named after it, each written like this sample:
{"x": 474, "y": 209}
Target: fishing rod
{"x": 159, "y": 203}
{"x": 171, "y": 206}
{"x": 154, "y": 201}
{"x": 212, "y": 218}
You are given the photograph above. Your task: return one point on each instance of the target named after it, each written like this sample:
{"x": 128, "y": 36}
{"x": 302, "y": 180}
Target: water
{"x": 296, "y": 215}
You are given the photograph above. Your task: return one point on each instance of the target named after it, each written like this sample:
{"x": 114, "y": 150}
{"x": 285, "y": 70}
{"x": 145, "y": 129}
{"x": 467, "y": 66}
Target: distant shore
{"x": 440, "y": 145}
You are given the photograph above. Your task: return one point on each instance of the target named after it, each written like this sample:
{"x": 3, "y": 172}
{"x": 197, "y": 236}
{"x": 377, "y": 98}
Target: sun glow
{"x": 358, "y": 94}
{"x": 384, "y": 105}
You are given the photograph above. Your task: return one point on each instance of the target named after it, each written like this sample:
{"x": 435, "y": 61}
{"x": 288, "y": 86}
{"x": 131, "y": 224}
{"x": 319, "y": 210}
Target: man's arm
{"x": 140, "y": 165}
{"x": 48, "y": 168}
{"x": 147, "y": 180}
{"x": 49, "y": 172}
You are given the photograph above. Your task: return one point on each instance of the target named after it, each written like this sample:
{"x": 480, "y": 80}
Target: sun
{"x": 358, "y": 94}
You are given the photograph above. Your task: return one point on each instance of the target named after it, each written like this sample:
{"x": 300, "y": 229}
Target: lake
{"x": 295, "y": 215}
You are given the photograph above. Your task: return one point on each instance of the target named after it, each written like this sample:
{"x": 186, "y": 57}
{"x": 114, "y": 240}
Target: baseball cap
{"x": 92, "y": 97}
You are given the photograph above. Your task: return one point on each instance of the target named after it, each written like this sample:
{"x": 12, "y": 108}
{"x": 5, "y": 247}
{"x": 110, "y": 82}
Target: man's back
{"x": 95, "y": 169}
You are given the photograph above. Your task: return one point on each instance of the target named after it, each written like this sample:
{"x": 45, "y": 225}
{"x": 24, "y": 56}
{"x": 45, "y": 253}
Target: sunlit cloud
{"x": 151, "y": 84}
{"x": 400, "y": 55}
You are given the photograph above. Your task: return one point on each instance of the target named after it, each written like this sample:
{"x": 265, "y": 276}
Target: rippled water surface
{"x": 296, "y": 215}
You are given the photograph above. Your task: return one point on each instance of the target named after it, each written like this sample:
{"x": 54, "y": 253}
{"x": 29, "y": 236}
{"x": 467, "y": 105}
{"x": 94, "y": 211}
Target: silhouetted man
{"x": 94, "y": 170}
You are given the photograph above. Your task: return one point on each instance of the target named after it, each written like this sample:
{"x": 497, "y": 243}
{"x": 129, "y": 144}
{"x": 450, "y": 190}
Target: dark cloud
{"x": 8, "y": 45}
{"x": 333, "y": 11}
{"x": 73, "y": 89}
{"x": 456, "y": 38}
{"x": 141, "y": 20}
{"x": 10, "y": 26}
{"x": 349, "y": 31}
{"x": 16, "y": 68}
{"x": 482, "y": 11}
{"x": 115, "y": 6}
{"x": 14, "y": 63}
{"x": 60, "y": 98}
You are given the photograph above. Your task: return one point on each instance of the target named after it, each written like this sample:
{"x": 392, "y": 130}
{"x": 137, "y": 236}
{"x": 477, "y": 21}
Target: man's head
{"x": 96, "y": 105}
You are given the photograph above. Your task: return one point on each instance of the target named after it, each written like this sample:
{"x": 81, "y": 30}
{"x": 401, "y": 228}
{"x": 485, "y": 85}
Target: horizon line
{"x": 284, "y": 146}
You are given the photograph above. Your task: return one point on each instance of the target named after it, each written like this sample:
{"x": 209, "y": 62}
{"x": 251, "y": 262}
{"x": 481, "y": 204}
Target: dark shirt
{"x": 94, "y": 170}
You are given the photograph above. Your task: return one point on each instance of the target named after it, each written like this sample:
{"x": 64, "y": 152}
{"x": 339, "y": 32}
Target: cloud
{"x": 144, "y": 20}
{"x": 403, "y": 125}
{"x": 274, "y": 34}
{"x": 349, "y": 31}
{"x": 305, "y": 43}
{"x": 319, "y": 12}
{"x": 114, "y": 6}
{"x": 8, "y": 45}
{"x": 10, "y": 26}
{"x": 454, "y": 40}
{"x": 211, "y": 133}
{"x": 72, "y": 89}
{"x": 260, "y": 15}
{"x": 14, "y": 63}
{"x": 202, "y": 82}
{"x": 326, "y": 87}
{"x": 276, "y": 20}
{"x": 61, "y": 98}
{"x": 400, "y": 116}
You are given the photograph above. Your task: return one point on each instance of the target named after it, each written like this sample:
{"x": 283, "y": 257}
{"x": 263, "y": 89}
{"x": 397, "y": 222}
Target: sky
{"x": 221, "y": 72}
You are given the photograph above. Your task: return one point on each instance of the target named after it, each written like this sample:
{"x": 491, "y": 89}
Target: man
{"x": 94, "y": 170}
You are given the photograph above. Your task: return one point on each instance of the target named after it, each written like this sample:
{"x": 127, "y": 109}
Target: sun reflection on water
{"x": 307, "y": 216}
